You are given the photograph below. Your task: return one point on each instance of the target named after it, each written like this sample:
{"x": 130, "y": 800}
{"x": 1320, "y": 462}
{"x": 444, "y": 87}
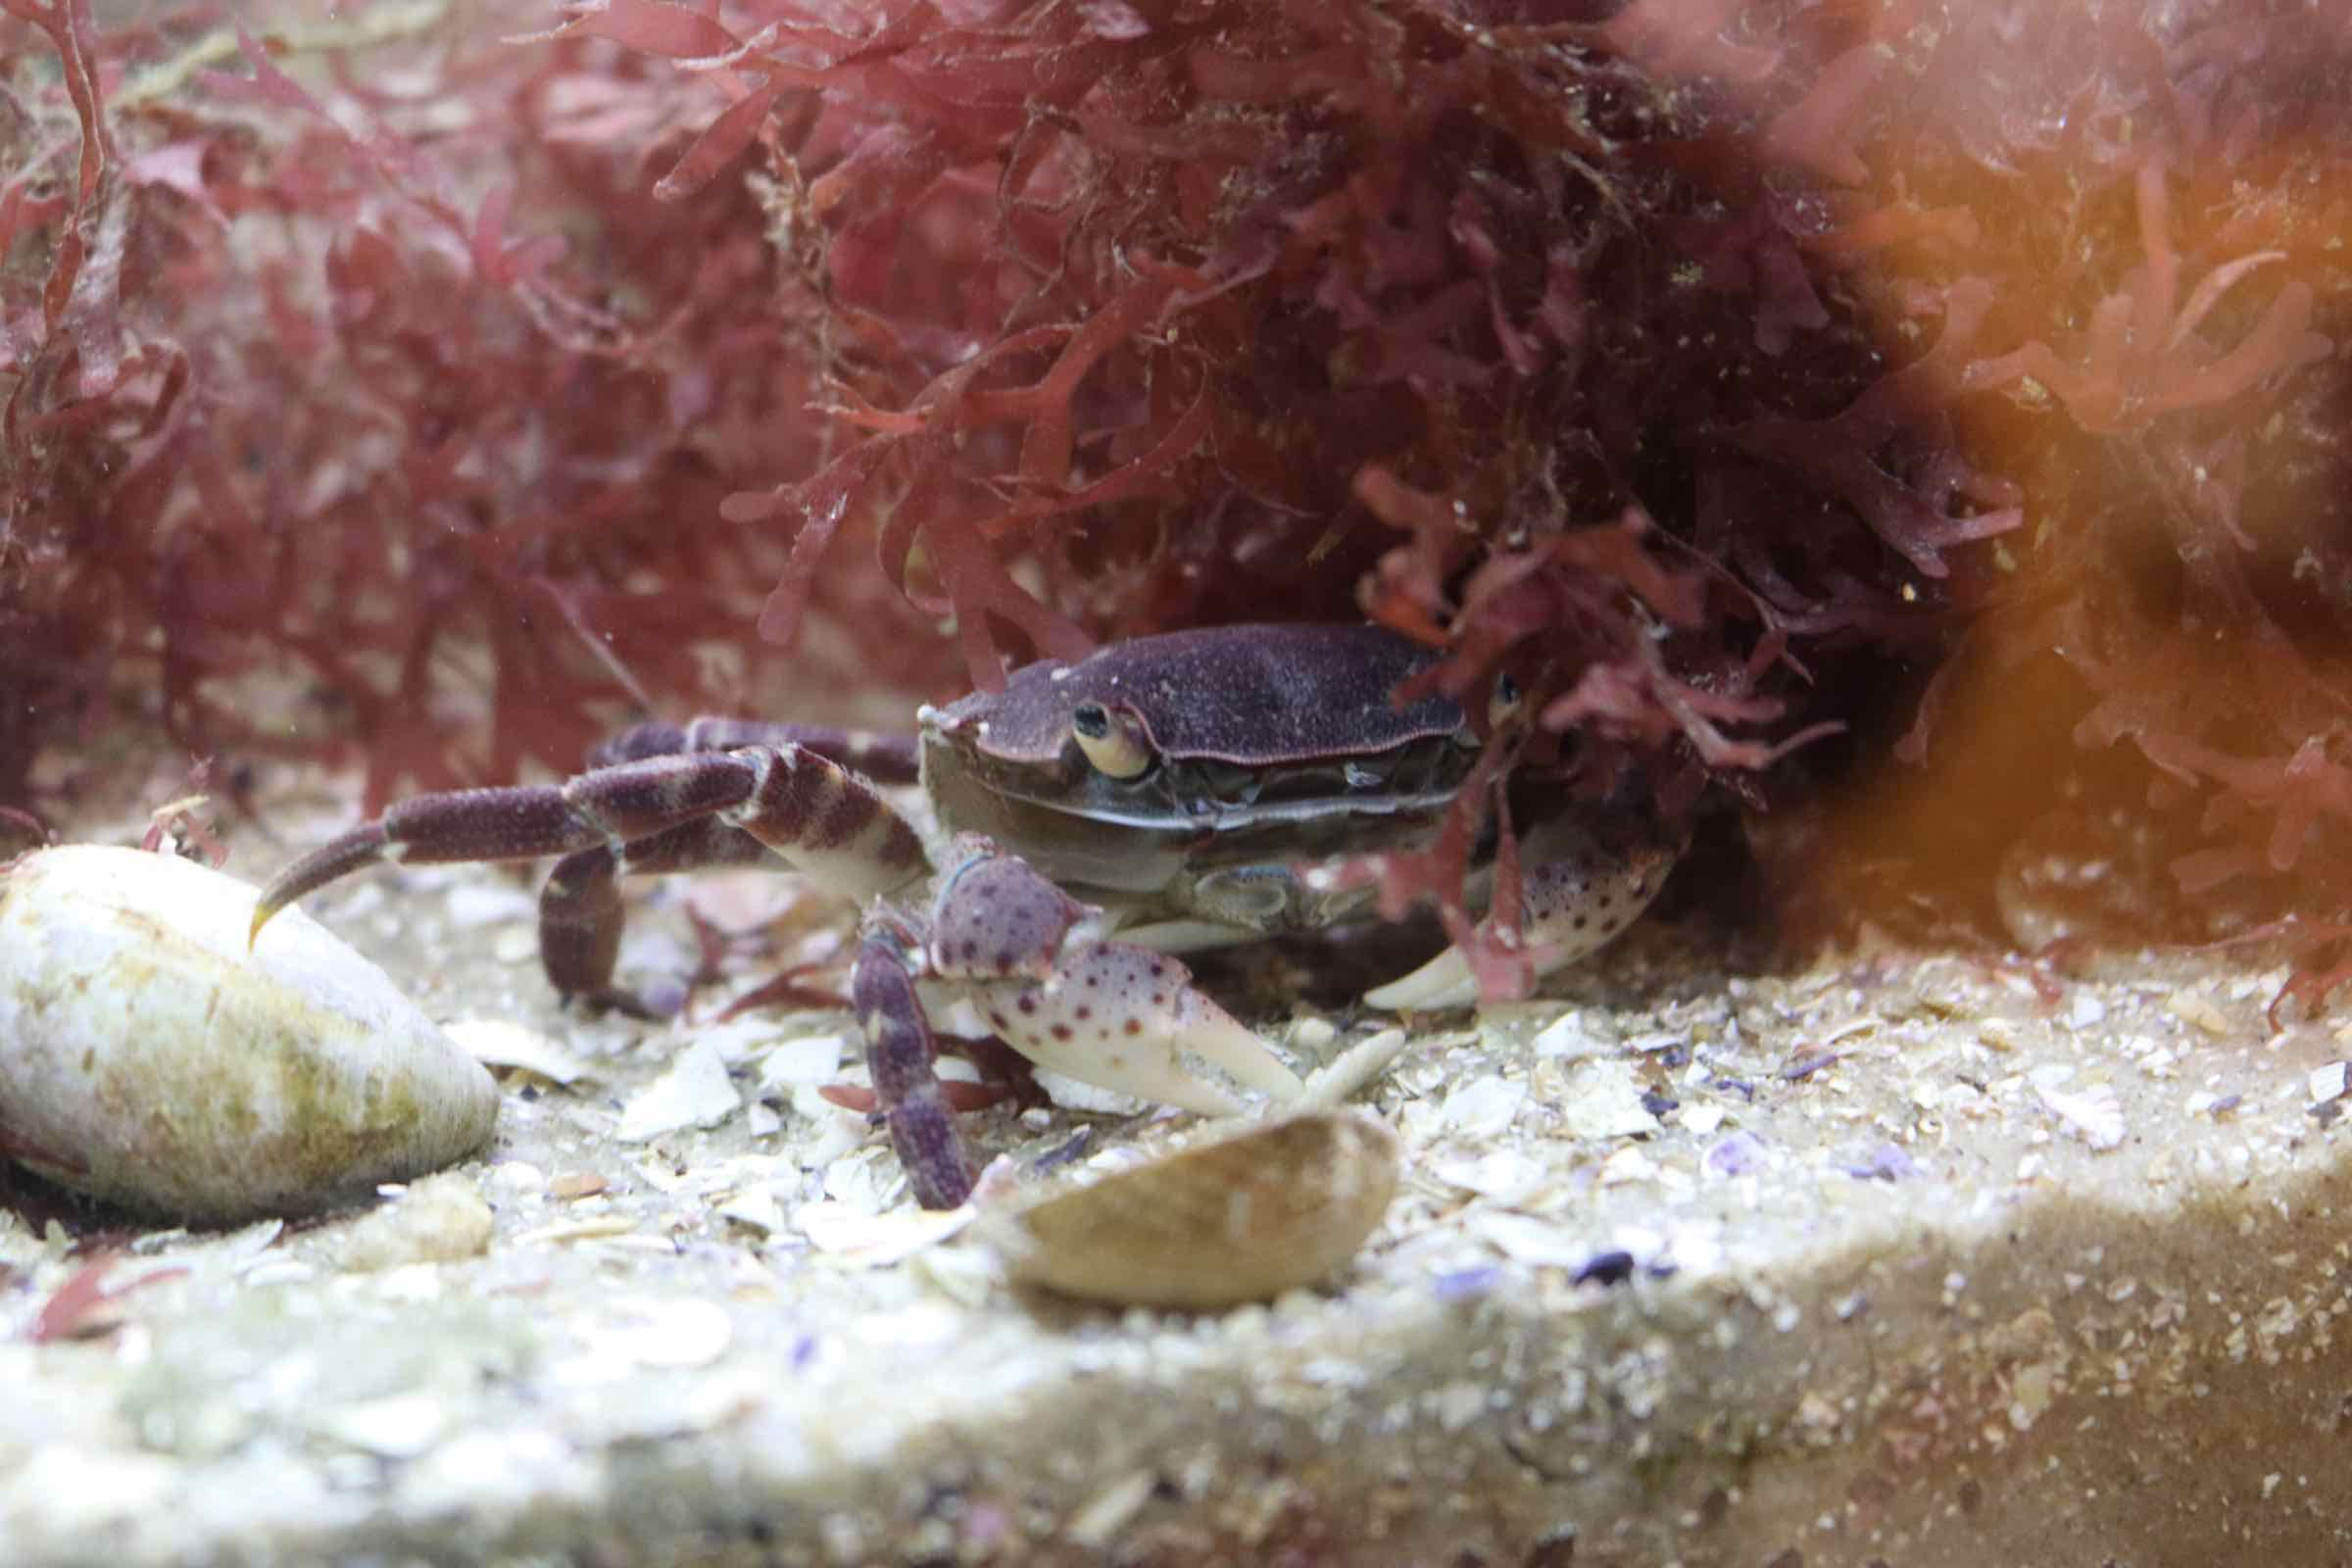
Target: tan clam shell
{"x": 1239, "y": 1218}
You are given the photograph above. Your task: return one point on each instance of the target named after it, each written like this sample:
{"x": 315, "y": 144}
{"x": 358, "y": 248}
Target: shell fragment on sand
{"x": 1242, "y": 1218}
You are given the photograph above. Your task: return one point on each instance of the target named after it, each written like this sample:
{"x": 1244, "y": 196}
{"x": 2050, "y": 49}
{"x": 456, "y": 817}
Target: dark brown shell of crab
{"x": 1252, "y": 696}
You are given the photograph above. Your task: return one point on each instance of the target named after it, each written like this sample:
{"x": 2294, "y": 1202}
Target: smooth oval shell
{"x": 147, "y": 1057}
{"x": 1242, "y": 1218}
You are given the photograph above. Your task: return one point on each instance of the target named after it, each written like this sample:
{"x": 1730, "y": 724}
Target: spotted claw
{"x": 1125, "y": 1019}
{"x": 1573, "y": 906}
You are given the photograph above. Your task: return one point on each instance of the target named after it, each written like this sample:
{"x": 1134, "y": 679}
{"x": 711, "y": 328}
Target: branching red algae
{"x": 1717, "y": 369}
{"x": 315, "y": 379}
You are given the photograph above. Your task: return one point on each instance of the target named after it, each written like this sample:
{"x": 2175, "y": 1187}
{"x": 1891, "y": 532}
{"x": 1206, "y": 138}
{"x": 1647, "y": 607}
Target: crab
{"x": 1093, "y": 818}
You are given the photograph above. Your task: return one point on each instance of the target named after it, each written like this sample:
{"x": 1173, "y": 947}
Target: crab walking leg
{"x": 883, "y": 758}
{"x": 899, "y": 1054}
{"x": 823, "y": 818}
{"x": 1573, "y": 907}
{"x": 610, "y": 807}
{"x": 580, "y": 913}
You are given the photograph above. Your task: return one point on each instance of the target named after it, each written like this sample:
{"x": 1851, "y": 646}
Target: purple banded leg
{"x": 580, "y": 913}
{"x": 611, "y": 806}
{"x": 898, "y": 1053}
{"x": 823, "y": 818}
{"x": 884, "y": 759}
{"x": 992, "y": 916}
{"x": 810, "y": 812}
{"x": 829, "y": 823}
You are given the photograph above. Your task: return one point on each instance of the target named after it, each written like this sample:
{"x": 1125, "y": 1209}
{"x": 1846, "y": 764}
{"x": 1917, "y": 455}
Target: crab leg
{"x": 1108, "y": 1013}
{"x": 898, "y": 1052}
{"x": 580, "y": 916}
{"x": 819, "y": 816}
{"x": 884, "y": 759}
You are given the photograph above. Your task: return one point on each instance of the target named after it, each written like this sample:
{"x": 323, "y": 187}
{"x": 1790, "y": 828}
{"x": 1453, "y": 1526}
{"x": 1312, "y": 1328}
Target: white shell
{"x": 160, "y": 1065}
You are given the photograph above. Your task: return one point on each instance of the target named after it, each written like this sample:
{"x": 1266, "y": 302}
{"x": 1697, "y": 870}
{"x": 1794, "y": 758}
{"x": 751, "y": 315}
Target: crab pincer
{"x": 1111, "y": 1013}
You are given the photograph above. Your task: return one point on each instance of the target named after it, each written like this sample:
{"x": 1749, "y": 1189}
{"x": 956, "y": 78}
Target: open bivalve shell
{"x": 1240, "y": 1219}
{"x": 146, "y": 1056}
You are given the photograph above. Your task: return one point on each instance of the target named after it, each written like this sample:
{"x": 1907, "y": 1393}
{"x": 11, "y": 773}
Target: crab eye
{"x": 1112, "y": 747}
{"x": 1504, "y": 702}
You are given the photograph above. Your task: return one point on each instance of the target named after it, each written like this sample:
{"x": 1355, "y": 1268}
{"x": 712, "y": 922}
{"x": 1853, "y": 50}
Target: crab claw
{"x": 1445, "y": 981}
{"x": 1124, "y": 1018}
{"x": 1573, "y": 906}
{"x": 993, "y": 918}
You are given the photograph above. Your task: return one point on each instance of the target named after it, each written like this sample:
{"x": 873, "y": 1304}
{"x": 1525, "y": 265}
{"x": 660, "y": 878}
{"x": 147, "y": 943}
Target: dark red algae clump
{"x": 1938, "y": 398}
{"x": 354, "y": 356}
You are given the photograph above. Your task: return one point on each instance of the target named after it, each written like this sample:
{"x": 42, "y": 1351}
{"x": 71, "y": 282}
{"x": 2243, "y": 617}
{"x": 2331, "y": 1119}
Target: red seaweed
{"x": 73, "y": 1309}
{"x": 1766, "y": 388}
{"x": 395, "y": 442}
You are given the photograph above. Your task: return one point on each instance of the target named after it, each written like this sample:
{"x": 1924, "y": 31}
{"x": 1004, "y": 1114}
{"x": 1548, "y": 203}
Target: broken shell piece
{"x": 146, "y": 1056}
{"x": 694, "y": 1092}
{"x": 2095, "y": 1113}
{"x": 497, "y": 1043}
{"x": 1242, "y": 1218}
{"x": 441, "y": 1219}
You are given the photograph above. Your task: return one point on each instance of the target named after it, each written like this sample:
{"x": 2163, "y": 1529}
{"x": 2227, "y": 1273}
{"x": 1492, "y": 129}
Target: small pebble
{"x": 1483, "y": 1107}
{"x": 1098, "y": 1524}
{"x": 676, "y": 1332}
{"x": 398, "y": 1426}
{"x": 578, "y": 1184}
{"x": 1736, "y": 1154}
{"x": 1566, "y": 1035}
{"x": 2191, "y": 1007}
{"x": 809, "y": 1060}
{"x": 2084, "y": 1011}
{"x": 440, "y": 1219}
{"x": 1604, "y": 1100}
{"x": 2094, "y": 1114}
{"x": 516, "y": 1178}
{"x": 696, "y": 1091}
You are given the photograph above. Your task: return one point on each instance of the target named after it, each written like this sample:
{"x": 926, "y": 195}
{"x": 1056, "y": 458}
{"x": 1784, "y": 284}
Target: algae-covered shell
{"x": 146, "y": 1056}
{"x": 1242, "y": 1218}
